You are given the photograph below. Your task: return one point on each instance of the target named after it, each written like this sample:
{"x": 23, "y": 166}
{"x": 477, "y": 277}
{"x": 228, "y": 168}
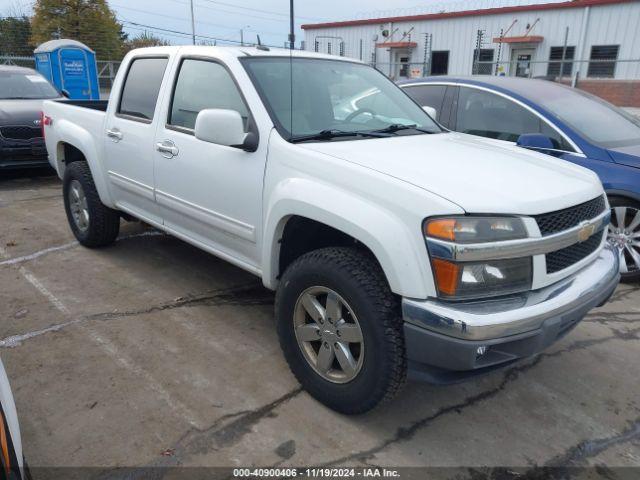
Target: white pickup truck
{"x": 395, "y": 246}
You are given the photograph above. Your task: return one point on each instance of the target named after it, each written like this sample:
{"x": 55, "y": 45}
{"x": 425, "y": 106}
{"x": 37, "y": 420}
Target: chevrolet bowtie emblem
{"x": 585, "y": 232}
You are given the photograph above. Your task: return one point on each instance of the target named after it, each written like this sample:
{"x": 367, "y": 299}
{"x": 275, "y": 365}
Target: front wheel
{"x": 624, "y": 234}
{"x": 340, "y": 329}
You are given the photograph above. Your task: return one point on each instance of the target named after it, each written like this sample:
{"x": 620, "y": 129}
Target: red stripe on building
{"x": 397, "y": 45}
{"x": 467, "y": 13}
{"x": 521, "y": 39}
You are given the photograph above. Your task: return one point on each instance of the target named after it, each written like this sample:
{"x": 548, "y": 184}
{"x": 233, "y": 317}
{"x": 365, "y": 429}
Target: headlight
{"x": 475, "y": 229}
{"x": 472, "y": 280}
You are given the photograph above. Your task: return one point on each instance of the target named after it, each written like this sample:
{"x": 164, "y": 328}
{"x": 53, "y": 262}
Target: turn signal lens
{"x": 442, "y": 228}
{"x": 4, "y": 446}
{"x": 447, "y": 276}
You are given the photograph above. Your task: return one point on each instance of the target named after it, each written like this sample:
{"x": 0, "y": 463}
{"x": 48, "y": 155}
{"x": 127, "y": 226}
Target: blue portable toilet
{"x": 71, "y": 67}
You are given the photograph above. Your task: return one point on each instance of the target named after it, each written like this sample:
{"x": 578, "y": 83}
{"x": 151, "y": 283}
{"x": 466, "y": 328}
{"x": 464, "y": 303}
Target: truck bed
{"x": 74, "y": 122}
{"x": 100, "y": 105}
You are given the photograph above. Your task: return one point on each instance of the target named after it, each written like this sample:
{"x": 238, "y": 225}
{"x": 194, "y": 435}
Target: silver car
{"x": 11, "y": 460}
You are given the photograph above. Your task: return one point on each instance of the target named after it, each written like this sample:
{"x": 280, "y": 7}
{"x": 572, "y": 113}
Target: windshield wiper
{"x": 329, "y": 134}
{"x": 396, "y": 127}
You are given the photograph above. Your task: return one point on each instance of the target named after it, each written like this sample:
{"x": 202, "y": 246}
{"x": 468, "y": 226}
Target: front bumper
{"x": 443, "y": 338}
{"x": 30, "y": 153}
{"x": 20, "y": 163}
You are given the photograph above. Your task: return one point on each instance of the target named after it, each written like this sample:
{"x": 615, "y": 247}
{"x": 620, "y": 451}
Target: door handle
{"x": 168, "y": 149}
{"x": 114, "y": 134}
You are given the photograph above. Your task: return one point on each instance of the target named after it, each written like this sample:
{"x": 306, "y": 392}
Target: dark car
{"x": 22, "y": 91}
{"x": 552, "y": 118}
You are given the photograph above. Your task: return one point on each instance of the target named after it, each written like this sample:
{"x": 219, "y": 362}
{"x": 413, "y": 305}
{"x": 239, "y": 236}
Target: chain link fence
{"x": 615, "y": 80}
{"x": 107, "y": 70}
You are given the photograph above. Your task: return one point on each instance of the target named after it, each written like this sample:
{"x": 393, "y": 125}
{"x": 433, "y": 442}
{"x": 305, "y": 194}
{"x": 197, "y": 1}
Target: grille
{"x": 555, "y": 222}
{"x": 564, "y": 258}
{"x": 21, "y": 132}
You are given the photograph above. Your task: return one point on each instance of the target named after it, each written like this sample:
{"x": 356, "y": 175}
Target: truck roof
{"x": 238, "y": 52}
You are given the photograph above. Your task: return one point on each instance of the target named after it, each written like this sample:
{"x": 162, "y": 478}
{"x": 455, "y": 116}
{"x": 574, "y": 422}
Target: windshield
{"x": 593, "y": 118}
{"x": 21, "y": 85}
{"x": 333, "y": 96}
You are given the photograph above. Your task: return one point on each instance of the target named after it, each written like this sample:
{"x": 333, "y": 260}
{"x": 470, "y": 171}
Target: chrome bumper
{"x": 492, "y": 319}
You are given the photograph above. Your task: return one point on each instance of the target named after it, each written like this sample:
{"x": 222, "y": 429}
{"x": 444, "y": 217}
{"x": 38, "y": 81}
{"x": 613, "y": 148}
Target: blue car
{"x": 555, "y": 119}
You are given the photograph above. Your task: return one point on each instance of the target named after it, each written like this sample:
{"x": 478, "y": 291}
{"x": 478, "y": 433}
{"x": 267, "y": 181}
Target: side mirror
{"x": 432, "y": 112}
{"x": 224, "y": 127}
{"x": 535, "y": 141}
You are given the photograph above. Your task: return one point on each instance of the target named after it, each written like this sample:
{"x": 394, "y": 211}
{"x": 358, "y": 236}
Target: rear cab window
{"x": 141, "y": 88}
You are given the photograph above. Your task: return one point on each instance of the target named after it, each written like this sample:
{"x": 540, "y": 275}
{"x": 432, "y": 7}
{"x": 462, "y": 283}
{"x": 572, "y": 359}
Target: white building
{"x": 514, "y": 40}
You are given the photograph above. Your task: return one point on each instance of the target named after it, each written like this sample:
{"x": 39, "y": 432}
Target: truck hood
{"x": 20, "y": 112}
{"x": 629, "y": 155}
{"x": 480, "y": 175}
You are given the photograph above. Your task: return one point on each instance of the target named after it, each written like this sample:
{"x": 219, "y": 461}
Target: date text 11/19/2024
{"x": 373, "y": 472}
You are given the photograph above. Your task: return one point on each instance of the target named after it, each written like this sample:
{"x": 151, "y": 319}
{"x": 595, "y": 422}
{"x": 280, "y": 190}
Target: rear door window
{"x": 142, "y": 87}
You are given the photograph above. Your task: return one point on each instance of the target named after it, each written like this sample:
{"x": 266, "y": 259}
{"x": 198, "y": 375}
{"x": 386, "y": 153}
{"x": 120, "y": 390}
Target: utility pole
{"x": 292, "y": 33}
{"x": 242, "y": 34}
{"x": 193, "y": 25}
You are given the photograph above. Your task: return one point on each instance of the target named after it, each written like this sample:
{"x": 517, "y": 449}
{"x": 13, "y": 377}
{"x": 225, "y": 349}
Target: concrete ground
{"x": 153, "y": 353}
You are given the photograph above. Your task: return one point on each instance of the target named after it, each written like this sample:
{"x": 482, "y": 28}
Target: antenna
{"x": 260, "y": 46}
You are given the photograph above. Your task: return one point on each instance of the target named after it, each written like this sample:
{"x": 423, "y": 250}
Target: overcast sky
{"x": 224, "y": 18}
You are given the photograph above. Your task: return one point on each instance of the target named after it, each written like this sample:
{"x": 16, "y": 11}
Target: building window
{"x": 567, "y": 67}
{"x": 329, "y": 48}
{"x": 600, "y": 68}
{"x": 440, "y": 62}
{"x": 479, "y": 67}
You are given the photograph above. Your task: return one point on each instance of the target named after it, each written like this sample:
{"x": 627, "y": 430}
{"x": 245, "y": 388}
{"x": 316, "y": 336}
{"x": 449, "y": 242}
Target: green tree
{"x": 15, "y": 36}
{"x": 91, "y": 22}
{"x": 145, "y": 39}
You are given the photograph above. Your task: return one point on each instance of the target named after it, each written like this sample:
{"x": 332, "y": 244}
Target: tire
{"x": 357, "y": 280}
{"x": 102, "y": 226}
{"x": 627, "y": 209}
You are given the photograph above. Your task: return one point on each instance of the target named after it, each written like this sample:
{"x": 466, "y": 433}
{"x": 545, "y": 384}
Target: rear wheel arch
{"x": 67, "y": 154}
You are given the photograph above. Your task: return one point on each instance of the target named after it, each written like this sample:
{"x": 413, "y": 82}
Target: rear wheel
{"x": 624, "y": 234}
{"x": 92, "y": 223}
{"x": 340, "y": 329}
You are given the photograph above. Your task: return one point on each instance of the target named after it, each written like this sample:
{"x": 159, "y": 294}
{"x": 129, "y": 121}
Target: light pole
{"x": 193, "y": 25}
{"x": 242, "y": 34}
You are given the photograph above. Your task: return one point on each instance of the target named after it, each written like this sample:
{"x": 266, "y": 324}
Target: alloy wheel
{"x": 624, "y": 234}
{"x": 78, "y": 205}
{"x": 328, "y": 334}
